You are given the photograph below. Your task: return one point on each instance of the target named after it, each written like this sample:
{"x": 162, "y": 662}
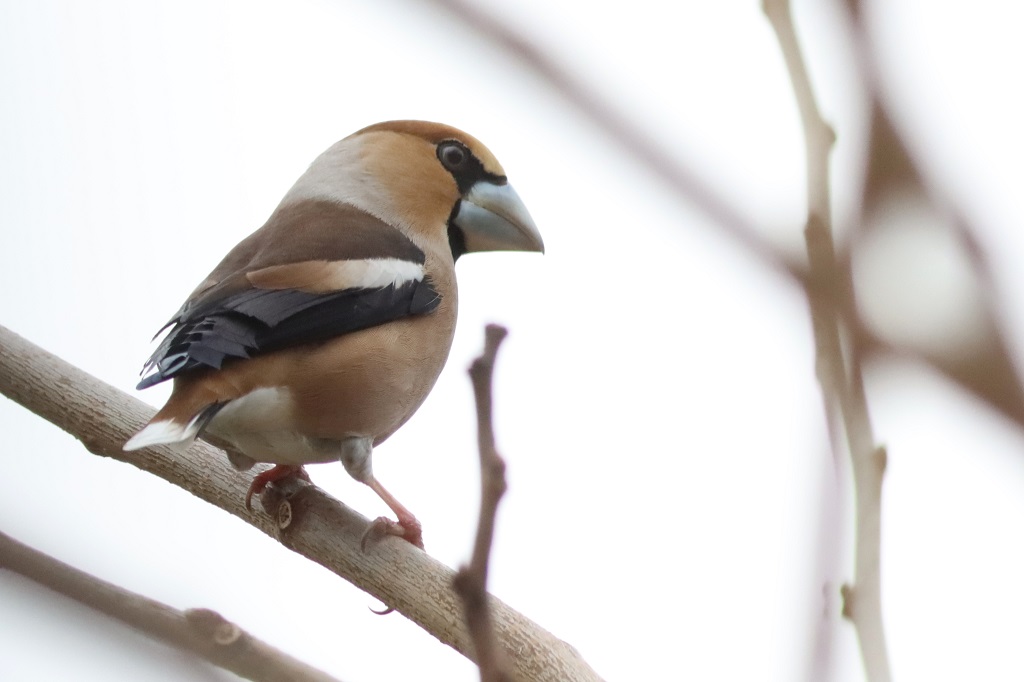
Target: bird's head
{"x": 426, "y": 177}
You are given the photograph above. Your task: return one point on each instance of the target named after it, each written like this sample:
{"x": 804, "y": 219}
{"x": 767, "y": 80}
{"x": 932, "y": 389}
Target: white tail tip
{"x": 164, "y": 433}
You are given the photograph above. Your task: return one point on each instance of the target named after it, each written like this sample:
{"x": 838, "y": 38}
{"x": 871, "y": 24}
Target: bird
{"x": 322, "y": 332}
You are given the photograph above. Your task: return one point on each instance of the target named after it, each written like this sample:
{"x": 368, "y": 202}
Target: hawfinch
{"x": 322, "y": 332}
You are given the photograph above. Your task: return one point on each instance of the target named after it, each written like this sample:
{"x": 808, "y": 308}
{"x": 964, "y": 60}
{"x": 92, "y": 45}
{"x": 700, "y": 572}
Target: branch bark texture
{"x": 309, "y": 522}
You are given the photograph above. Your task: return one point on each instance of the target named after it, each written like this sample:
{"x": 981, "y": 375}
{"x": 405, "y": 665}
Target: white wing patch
{"x": 324, "y": 277}
{"x": 372, "y": 273}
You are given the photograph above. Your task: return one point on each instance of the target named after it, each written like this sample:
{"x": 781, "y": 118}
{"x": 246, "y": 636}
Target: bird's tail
{"x": 167, "y": 429}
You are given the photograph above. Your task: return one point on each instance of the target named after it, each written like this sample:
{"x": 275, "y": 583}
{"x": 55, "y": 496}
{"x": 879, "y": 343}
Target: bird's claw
{"x": 409, "y": 530}
{"x": 275, "y": 473}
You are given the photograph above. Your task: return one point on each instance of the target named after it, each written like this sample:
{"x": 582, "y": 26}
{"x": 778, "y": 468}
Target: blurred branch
{"x": 830, "y": 294}
{"x": 201, "y": 632}
{"x": 471, "y": 581}
{"x": 988, "y": 369}
{"x": 686, "y": 183}
{"x": 309, "y": 521}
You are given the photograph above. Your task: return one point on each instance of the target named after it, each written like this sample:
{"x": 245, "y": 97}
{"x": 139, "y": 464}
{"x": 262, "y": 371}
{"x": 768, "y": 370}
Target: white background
{"x": 670, "y": 481}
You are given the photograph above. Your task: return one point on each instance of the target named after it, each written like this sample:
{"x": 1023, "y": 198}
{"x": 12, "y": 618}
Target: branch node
{"x": 284, "y": 514}
{"x": 829, "y": 134}
{"x": 848, "y": 595}
{"x": 213, "y": 627}
{"x": 881, "y": 459}
{"x": 227, "y": 633}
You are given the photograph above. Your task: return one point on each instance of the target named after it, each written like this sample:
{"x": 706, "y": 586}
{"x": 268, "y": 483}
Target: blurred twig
{"x": 201, "y": 632}
{"x": 471, "y": 581}
{"x": 310, "y": 522}
{"x": 988, "y": 368}
{"x": 830, "y": 294}
{"x": 684, "y": 181}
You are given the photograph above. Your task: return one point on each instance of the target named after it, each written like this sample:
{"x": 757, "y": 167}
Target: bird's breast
{"x": 370, "y": 383}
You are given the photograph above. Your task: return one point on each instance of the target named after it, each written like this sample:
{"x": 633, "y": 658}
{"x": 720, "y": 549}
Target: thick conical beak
{"x": 493, "y": 218}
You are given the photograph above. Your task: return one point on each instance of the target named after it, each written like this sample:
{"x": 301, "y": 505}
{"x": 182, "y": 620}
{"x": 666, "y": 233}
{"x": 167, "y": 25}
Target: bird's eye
{"x": 453, "y": 155}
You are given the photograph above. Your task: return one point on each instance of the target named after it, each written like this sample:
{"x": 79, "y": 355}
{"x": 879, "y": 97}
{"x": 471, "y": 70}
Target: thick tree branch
{"x": 471, "y": 581}
{"x": 830, "y": 294}
{"x": 201, "y": 632}
{"x": 309, "y": 521}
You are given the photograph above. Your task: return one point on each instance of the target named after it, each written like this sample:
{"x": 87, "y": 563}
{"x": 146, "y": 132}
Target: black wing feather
{"x": 257, "y": 321}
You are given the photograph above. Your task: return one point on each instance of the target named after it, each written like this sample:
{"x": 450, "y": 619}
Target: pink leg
{"x": 407, "y": 527}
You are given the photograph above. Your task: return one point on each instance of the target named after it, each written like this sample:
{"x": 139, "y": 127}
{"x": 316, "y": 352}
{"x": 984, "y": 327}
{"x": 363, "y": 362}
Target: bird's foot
{"x": 408, "y": 529}
{"x": 275, "y": 473}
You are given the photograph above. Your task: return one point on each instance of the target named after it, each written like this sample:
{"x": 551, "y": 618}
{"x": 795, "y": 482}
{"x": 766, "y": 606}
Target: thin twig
{"x": 471, "y": 581}
{"x": 830, "y": 294}
{"x": 684, "y": 181}
{"x": 202, "y": 632}
{"x": 310, "y": 522}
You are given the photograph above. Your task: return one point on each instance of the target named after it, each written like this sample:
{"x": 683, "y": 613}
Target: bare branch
{"x": 202, "y": 632}
{"x": 471, "y": 581}
{"x": 308, "y": 521}
{"x": 831, "y": 297}
{"x": 684, "y": 181}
